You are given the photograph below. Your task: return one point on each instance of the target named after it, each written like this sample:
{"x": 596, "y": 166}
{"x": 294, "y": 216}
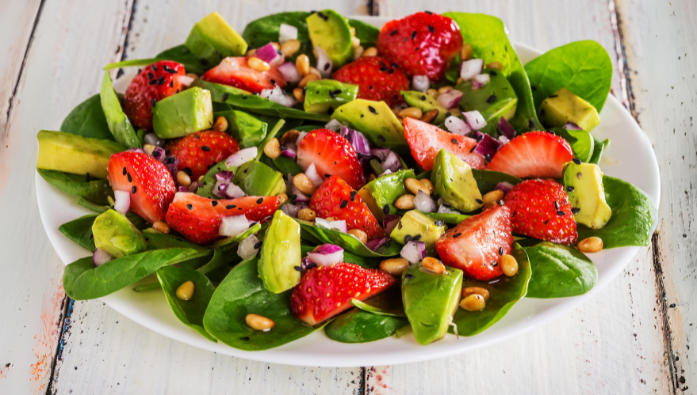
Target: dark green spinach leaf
{"x": 598, "y": 148}
{"x": 559, "y": 271}
{"x": 582, "y": 143}
{"x": 179, "y": 54}
{"x": 349, "y": 243}
{"x": 367, "y": 33}
{"x": 87, "y": 120}
{"x": 359, "y": 326}
{"x": 95, "y": 190}
{"x": 80, "y": 231}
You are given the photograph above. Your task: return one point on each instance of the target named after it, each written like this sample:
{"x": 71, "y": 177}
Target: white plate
{"x": 629, "y": 157}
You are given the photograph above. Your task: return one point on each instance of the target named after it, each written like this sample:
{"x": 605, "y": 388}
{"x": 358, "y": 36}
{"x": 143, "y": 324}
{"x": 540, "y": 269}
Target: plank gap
{"x": 67, "y": 309}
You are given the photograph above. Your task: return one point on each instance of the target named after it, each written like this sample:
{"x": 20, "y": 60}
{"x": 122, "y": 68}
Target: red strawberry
{"x": 476, "y": 243}
{"x": 234, "y": 71}
{"x": 201, "y": 150}
{"x": 152, "y": 84}
{"x": 335, "y": 198}
{"x": 198, "y": 218}
{"x": 324, "y": 292}
{"x": 332, "y": 155}
{"x": 533, "y": 154}
{"x": 541, "y": 209}
{"x": 425, "y": 140}
{"x": 421, "y": 44}
{"x": 150, "y": 183}
{"x": 377, "y": 79}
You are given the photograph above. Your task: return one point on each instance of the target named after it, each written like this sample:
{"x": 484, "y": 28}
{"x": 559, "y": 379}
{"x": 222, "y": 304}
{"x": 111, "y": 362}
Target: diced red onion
{"x": 100, "y": 257}
{"x": 287, "y": 32}
{"x": 172, "y": 164}
{"x": 246, "y": 247}
{"x": 306, "y": 264}
{"x": 571, "y": 126}
{"x": 389, "y": 222}
{"x": 480, "y": 80}
{"x": 487, "y": 145}
{"x": 335, "y": 225}
{"x": 290, "y": 72}
{"x": 391, "y": 162}
{"x": 182, "y": 188}
{"x": 241, "y": 157}
{"x": 470, "y": 68}
{"x": 475, "y": 119}
{"x": 184, "y": 80}
{"x": 220, "y": 188}
{"x": 151, "y": 138}
{"x": 424, "y": 203}
{"x": 505, "y": 128}
{"x": 311, "y": 173}
{"x": 325, "y": 249}
{"x": 457, "y": 126}
{"x": 333, "y": 125}
{"x": 324, "y": 63}
{"x": 450, "y": 99}
{"x": 374, "y": 244}
{"x": 293, "y": 209}
{"x": 159, "y": 154}
{"x": 299, "y": 196}
{"x": 138, "y": 150}
{"x": 326, "y": 255}
{"x": 122, "y": 201}
{"x": 277, "y": 95}
{"x": 289, "y": 153}
{"x": 446, "y": 209}
{"x": 358, "y": 141}
{"x": 233, "y": 191}
{"x": 414, "y": 251}
{"x": 380, "y": 153}
{"x": 270, "y": 55}
{"x": 504, "y": 140}
{"x": 420, "y": 83}
{"x": 504, "y": 187}
{"x": 233, "y": 225}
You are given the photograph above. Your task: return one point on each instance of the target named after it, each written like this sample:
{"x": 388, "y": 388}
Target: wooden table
{"x": 631, "y": 338}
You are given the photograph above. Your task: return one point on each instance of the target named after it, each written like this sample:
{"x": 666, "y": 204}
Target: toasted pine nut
{"x": 302, "y": 63}
{"x": 414, "y": 186}
{"x": 490, "y": 205}
{"x": 432, "y": 92}
{"x": 427, "y": 183}
{"x": 299, "y": 94}
{"x": 290, "y": 47}
{"x": 493, "y": 196}
{"x": 353, "y": 31}
{"x": 290, "y": 137}
{"x": 315, "y": 72}
{"x": 372, "y": 177}
{"x": 161, "y": 227}
{"x": 358, "y": 52}
{"x": 251, "y": 52}
{"x": 405, "y": 202}
{"x": 259, "y": 322}
{"x": 444, "y": 89}
{"x": 221, "y": 124}
{"x": 429, "y": 116}
{"x": 411, "y": 112}
{"x": 455, "y": 111}
{"x": 307, "y": 214}
{"x": 257, "y": 64}
{"x": 183, "y": 179}
{"x": 359, "y": 234}
{"x": 192, "y": 76}
{"x": 466, "y": 52}
{"x": 306, "y": 79}
{"x": 433, "y": 265}
{"x": 459, "y": 80}
{"x": 355, "y": 42}
{"x": 372, "y": 51}
{"x": 272, "y": 149}
{"x": 591, "y": 244}
{"x": 474, "y": 302}
{"x": 509, "y": 266}
{"x": 282, "y": 198}
{"x": 394, "y": 266}
{"x": 185, "y": 291}
{"x": 276, "y": 45}
{"x": 495, "y": 65}
{"x": 304, "y": 184}
{"x": 149, "y": 148}
{"x": 475, "y": 290}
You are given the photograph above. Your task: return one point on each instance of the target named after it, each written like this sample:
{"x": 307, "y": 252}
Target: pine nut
{"x": 355, "y": 42}
{"x": 427, "y": 183}
{"x": 372, "y": 177}
{"x": 474, "y": 302}
{"x": 282, "y": 198}
{"x": 304, "y": 184}
{"x": 411, "y": 112}
{"x": 290, "y": 47}
{"x": 257, "y": 64}
{"x": 185, "y": 291}
{"x": 432, "y": 92}
{"x": 259, "y": 322}
{"x": 251, "y": 52}
{"x": 302, "y": 63}
{"x": 359, "y": 234}
{"x": 429, "y": 116}
{"x": 372, "y": 51}
{"x": 358, "y": 52}
{"x": 509, "y": 266}
{"x": 405, "y": 202}
{"x": 353, "y": 31}
{"x": 466, "y": 52}
{"x": 433, "y": 265}
{"x": 161, "y": 227}
{"x": 307, "y": 214}
{"x": 490, "y": 205}
{"x": 299, "y": 94}
{"x": 495, "y": 65}
{"x": 493, "y": 196}
{"x": 290, "y": 137}
{"x": 315, "y": 72}
{"x": 192, "y": 76}
{"x": 444, "y": 89}
{"x": 414, "y": 186}
{"x": 221, "y": 124}
{"x": 591, "y": 244}
{"x": 394, "y": 266}
{"x": 459, "y": 80}
{"x": 306, "y": 79}
{"x": 149, "y": 148}
{"x": 475, "y": 290}
{"x": 276, "y": 46}
{"x": 272, "y": 149}
{"x": 183, "y": 179}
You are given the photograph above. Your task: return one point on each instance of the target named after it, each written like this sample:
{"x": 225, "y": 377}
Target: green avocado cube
{"x": 280, "y": 254}
{"x": 212, "y": 40}
{"x": 376, "y": 121}
{"x": 257, "y": 179}
{"x": 331, "y": 32}
{"x": 425, "y": 103}
{"x": 325, "y": 96}
{"x": 248, "y": 130}
{"x": 494, "y": 100}
{"x": 115, "y": 234}
{"x": 183, "y": 113}
{"x": 383, "y": 191}
{"x": 584, "y": 185}
{"x": 75, "y": 154}
{"x": 454, "y": 181}
{"x": 415, "y": 223}
{"x": 564, "y": 106}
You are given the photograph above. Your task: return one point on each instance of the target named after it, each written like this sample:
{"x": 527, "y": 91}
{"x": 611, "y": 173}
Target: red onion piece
{"x": 182, "y": 188}
{"x": 299, "y": 196}
{"x": 475, "y": 119}
{"x": 184, "y": 80}
{"x": 324, "y": 63}
{"x": 505, "y": 128}
{"x": 380, "y": 153}
{"x": 420, "y": 83}
{"x": 424, "y": 203}
{"x": 374, "y": 244}
{"x": 457, "y": 126}
{"x": 357, "y": 140}
{"x": 289, "y": 153}
{"x": 293, "y": 209}
{"x": 277, "y": 95}
{"x": 503, "y": 140}
{"x": 159, "y": 154}
{"x": 504, "y": 187}
{"x": 326, "y": 255}
{"x": 480, "y": 80}
{"x": 268, "y": 54}
{"x": 327, "y": 249}
{"x": 389, "y": 222}
{"x": 290, "y": 72}
{"x": 334, "y": 225}
{"x": 100, "y": 257}
{"x": 233, "y": 225}
{"x": 487, "y": 145}
{"x": 225, "y": 175}
{"x": 450, "y": 99}
{"x": 246, "y": 247}
{"x": 391, "y": 163}
{"x": 241, "y": 157}
{"x": 571, "y": 126}
{"x": 446, "y": 209}
{"x": 311, "y": 173}
{"x": 414, "y": 251}
{"x": 233, "y": 191}
{"x": 122, "y": 201}
{"x": 220, "y": 188}
{"x": 139, "y": 150}
{"x": 470, "y": 68}
{"x": 287, "y": 32}
{"x": 333, "y": 125}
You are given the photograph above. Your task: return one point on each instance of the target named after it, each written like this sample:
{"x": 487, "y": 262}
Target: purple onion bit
{"x": 389, "y": 222}
{"x": 374, "y": 244}
{"x": 571, "y": 126}
{"x": 487, "y": 146}
{"x": 392, "y": 162}
{"x": 504, "y": 187}
{"x": 380, "y": 153}
{"x": 357, "y": 140}
{"x": 506, "y": 129}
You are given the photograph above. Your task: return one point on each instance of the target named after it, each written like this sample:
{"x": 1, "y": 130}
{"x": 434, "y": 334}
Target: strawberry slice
{"x": 541, "y": 209}
{"x": 475, "y": 244}
{"x": 235, "y": 71}
{"x": 335, "y": 198}
{"x": 326, "y": 291}
{"x": 149, "y": 182}
{"x": 199, "y": 151}
{"x": 425, "y": 140}
{"x": 533, "y": 154}
{"x": 377, "y": 79}
{"x": 198, "y": 218}
{"x": 152, "y": 84}
{"x": 332, "y": 155}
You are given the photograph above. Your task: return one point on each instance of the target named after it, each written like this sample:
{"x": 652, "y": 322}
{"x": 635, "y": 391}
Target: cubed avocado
{"x": 453, "y": 180}
{"x": 212, "y": 40}
{"x": 376, "y": 121}
{"x": 75, "y": 154}
{"x": 494, "y": 100}
{"x": 331, "y": 32}
{"x": 280, "y": 254}
{"x": 425, "y": 103}
{"x": 564, "y": 106}
{"x": 584, "y": 185}
{"x": 258, "y": 179}
{"x": 430, "y": 301}
{"x": 248, "y": 130}
{"x": 415, "y": 223}
{"x": 383, "y": 191}
{"x": 115, "y": 234}
{"x": 325, "y": 96}
{"x": 183, "y": 113}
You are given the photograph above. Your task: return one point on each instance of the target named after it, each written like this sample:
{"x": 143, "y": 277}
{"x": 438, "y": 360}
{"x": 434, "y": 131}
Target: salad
{"x": 318, "y": 173}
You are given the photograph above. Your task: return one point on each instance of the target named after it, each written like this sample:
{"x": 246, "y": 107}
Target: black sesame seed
{"x": 408, "y": 276}
{"x": 416, "y": 238}
{"x": 381, "y": 138}
{"x": 130, "y": 179}
{"x": 153, "y": 102}
{"x": 491, "y": 99}
{"x": 472, "y": 150}
{"x": 456, "y": 235}
{"x": 494, "y": 263}
{"x": 577, "y": 161}
{"x": 154, "y": 67}
{"x": 454, "y": 141}
{"x": 393, "y": 32}
{"x": 298, "y": 268}
{"x": 578, "y": 175}
{"x": 407, "y": 239}
{"x": 150, "y": 75}
{"x": 332, "y": 94}
{"x": 478, "y": 201}
{"x": 133, "y": 189}
{"x": 480, "y": 137}
{"x": 87, "y": 177}
{"x": 559, "y": 212}
{"x": 531, "y": 124}
{"x": 353, "y": 195}
{"x": 372, "y": 109}
{"x": 214, "y": 203}
{"x": 225, "y": 96}
{"x": 553, "y": 96}
{"x": 556, "y": 205}
{"x": 487, "y": 157}
{"x": 190, "y": 207}
{"x": 428, "y": 12}
{"x": 152, "y": 82}
{"x": 161, "y": 81}
{"x": 343, "y": 204}
{"x": 500, "y": 250}
{"x": 546, "y": 222}
{"x": 260, "y": 200}
{"x": 386, "y": 209}
{"x": 326, "y": 66}
{"x": 431, "y": 29}
{"x": 257, "y": 245}
{"x": 188, "y": 171}
{"x": 206, "y": 148}
{"x": 413, "y": 35}
{"x": 230, "y": 206}
{"x": 575, "y": 210}
{"x": 492, "y": 73}
{"x": 440, "y": 223}
{"x": 569, "y": 189}
{"x": 399, "y": 225}
{"x": 124, "y": 171}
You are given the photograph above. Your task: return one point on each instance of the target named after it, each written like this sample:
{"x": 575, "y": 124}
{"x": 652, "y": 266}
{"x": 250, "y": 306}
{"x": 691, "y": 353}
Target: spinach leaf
{"x": 349, "y": 243}
{"x": 83, "y": 281}
{"x": 582, "y": 67}
{"x": 159, "y": 241}
{"x": 388, "y": 303}
{"x": 598, "y": 148}
{"x": 264, "y": 30}
{"x": 80, "y": 231}
{"x": 487, "y": 35}
{"x": 582, "y": 143}
{"x": 190, "y": 312}
{"x": 92, "y": 206}
{"x": 359, "y": 326}
{"x": 283, "y": 164}
{"x": 503, "y": 294}
{"x": 633, "y": 216}
{"x": 367, "y": 33}
{"x": 242, "y": 293}
{"x": 179, "y": 54}
{"x": 559, "y": 271}
{"x": 118, "y": 122}
{"x": 73, "y": 184}
{"x": 87, "y": 120}
{"x": 450, "y": 219}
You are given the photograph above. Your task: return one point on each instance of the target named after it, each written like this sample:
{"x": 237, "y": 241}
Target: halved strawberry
{"x": 335, "y": 198}
{"x": 324, "y": 292}
{"x": 475, "y": 244}
{"x": 377, "y": 79}
{"x": 541, "y": 209}
{"x": 425, "y": 140}
{"x": 201, "y": 150}
{"x": 235, "y": 71}
{"x": 533, "y": 154}
{"x": 152, "y": 84}
{"x": 198, "y": 218}
{"x": 332, "y": 155}
{"x": 149, "y": 182}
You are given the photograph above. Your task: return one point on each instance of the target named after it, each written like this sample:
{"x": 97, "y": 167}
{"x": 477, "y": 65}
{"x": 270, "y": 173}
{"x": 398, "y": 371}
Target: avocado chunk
{"x": 376, "y": 121}
{"x": 430, "y": 301}
{"x": 280, "y": 254}
{"x": 494, "y": 100}
{"x": 257, "y": 179}
{"x": 415, "y": 223}
{"x": 184, "y": 113}
{"x": 331, "y": 32}
{"x": 248, "y": 130}
{"x": 119, "y": 124}
{"x": 325, "y": 96}
{"x": 383, "y": 191}
{"x": 425, "y": 103}
{"x": 212, "y": 40}
{"x": 115, "y": 234}
{"x": 564, "y": 106}
{"x": 584, "y": 185}
{"x": 453, "y": 180}
{"x": 75, "y": 154}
